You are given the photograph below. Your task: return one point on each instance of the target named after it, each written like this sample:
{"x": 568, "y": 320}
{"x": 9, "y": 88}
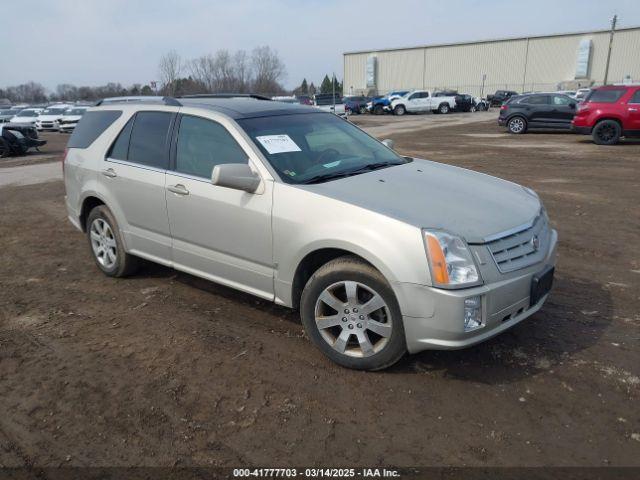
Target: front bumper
{"x": 47, "y": 125}
{"x": 433, "y": 318}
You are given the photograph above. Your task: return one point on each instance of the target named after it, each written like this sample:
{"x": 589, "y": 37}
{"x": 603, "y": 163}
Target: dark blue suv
{"x": 382, "y": 104}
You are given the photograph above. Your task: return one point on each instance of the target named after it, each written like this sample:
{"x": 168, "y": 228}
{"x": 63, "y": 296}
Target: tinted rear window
{"x": 91, "y": 126}
{"x": 606, "y": 96}
{"x": 148, "y": 144}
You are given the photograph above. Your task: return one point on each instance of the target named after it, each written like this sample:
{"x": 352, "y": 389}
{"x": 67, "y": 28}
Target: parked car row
{"x": 607, "y": 113}
{"x": 57, "y": 118}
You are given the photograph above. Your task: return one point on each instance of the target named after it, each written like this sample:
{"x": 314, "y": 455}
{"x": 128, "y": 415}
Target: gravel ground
{"x": 165, "y": 369}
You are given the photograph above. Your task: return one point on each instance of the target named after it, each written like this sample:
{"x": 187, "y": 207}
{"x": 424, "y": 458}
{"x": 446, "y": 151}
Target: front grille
{"x": 519, "y": 250}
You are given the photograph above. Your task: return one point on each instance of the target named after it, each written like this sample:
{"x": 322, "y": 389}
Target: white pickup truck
{"x": 419, "y": 101}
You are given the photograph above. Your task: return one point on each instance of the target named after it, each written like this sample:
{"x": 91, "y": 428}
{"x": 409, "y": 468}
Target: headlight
{"x": 450, "y": 260}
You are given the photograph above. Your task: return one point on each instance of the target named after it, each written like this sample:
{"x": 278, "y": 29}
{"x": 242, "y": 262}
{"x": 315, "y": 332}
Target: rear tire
{"x": 363, "y": 110}
{"x": 106, "y": 244}
{"x": 517, "y": 125}
{"x": 399, "y": 110}
{"x": 339, "y": 318}
{"x": 606, "y": 132}
{"x": 5, "y": 151}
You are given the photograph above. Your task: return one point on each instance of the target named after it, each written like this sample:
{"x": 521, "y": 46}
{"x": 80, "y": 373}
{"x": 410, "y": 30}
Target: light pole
{"x": 614, "y": 20}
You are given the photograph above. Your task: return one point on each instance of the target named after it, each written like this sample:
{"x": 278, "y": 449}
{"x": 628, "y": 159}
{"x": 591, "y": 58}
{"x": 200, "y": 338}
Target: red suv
{"x": 609, "y": 113}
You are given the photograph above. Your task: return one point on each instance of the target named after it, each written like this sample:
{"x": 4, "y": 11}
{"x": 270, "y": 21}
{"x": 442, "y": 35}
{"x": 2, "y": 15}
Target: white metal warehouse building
{"x": 535, "y": 63}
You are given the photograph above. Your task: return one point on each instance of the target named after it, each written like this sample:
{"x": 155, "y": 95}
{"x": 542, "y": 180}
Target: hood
{"x": 24, "y": 119}
{"x": 71, "y": 118}
{"x": 434, "y": 195}
{"x": 49, "y": 118}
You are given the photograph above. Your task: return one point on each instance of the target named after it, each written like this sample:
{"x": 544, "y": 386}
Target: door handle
{"x": 178, "y": 189}
{"x": 109, "y": 172}
{"x": 633, "y": 109}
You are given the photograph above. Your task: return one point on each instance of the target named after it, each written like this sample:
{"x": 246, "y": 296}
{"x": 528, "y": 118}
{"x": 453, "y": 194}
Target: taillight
{"x": 64, "y": 159}
{"x": 504, "y": 107}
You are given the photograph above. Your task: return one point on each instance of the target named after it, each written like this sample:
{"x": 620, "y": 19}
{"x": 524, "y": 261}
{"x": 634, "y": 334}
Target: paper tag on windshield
{"x": 278, "y": 144}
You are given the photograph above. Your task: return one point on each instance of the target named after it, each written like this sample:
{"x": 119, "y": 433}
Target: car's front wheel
{"x": 399, "y": 110}
{"x": 106, "y": 244}
{"x": 350, "y": 312}
{"x": 443, "y": 108}
{"x": 517, "y": 125}
{"x": 378, "y": 110}
{"x": 606, "y": 132}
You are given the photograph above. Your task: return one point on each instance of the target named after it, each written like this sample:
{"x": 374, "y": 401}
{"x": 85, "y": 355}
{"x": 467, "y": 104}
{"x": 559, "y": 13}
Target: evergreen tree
{"x": 304, "y": 88}
{"x": 325, "y": 86}
{"x": 312, "y": 89}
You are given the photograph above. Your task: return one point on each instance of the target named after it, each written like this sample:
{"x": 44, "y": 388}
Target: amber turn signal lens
{"x": 438, "y": 262}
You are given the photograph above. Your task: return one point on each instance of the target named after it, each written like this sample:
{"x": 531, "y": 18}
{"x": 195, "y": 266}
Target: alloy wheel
{"x": 103, "y": 243}
{"x": 606, "y": 133}
{"x": 353, "y": 319}
{"x": 516, "y": 125}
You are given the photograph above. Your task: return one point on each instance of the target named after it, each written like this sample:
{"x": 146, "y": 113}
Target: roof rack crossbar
{"x": 227, "y": 95}
{"x": 140, "y": 99}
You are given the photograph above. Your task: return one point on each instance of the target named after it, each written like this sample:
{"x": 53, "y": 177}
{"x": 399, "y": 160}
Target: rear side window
{"x": 536, "y": 100}
{"x": 606, "y": 96}
{"x": 120, "y": 147}
{"x": 91, "y": 126}
{"x": 148, "y": 144}
{"x": 636, "y": 97}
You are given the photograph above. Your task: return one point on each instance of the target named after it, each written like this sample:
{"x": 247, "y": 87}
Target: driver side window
{"x": 202, "y": 144}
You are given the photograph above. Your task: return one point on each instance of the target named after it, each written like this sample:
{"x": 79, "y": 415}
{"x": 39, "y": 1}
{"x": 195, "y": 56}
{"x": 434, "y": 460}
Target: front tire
{"x": 378, "y": 110}
{"x": 106, "y": 244}
{"x": 399, "y": 110}
{"x": 351, "y": 314}
{"x": 606, "y": 132}
{"x": 517, "y": 125}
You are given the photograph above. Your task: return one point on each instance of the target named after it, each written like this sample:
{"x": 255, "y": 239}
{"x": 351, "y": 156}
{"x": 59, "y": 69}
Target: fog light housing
{"x": 473, "y": 313}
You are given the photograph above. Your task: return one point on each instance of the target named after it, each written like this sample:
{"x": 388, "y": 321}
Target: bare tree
{"x": 169, "y": 69}
{"x": 268, "y": 70}
{"x": 242, "y": 71}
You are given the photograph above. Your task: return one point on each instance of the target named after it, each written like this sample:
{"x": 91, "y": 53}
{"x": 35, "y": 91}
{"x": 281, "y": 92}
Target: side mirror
{"x": 572, "y": 105}
{"x": 388, "y": 143}
{"x": 238, "y": 176}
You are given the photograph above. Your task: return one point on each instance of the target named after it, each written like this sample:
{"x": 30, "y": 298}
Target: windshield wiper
{"x": 365, "y": 168}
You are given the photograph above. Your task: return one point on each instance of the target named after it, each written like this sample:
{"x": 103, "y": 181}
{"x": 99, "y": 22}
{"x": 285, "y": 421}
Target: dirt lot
{"x": 166, "y": 369}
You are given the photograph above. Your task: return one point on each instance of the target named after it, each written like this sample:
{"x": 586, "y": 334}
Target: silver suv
{"x": 382, "y": 254}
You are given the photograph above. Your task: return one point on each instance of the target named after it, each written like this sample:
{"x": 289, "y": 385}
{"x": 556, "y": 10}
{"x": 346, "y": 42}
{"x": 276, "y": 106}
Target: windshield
{"x": 304, "y": 147}
{"x": 7, "y": 112}
{"x": 28, "y": 113}
{"x": 53, "y": 111}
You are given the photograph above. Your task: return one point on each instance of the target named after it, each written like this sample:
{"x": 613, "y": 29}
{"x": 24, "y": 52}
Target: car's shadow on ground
{"x": 575, "y": 316}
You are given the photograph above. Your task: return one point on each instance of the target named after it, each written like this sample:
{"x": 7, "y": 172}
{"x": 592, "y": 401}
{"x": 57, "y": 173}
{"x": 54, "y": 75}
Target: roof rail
{"x": 227, "y": 95}
{"x": 140, "y": 99}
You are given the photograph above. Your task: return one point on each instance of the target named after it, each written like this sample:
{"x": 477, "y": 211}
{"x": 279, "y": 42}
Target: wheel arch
{"x": 89, "y": 202}
{"x": 319, "y": 255}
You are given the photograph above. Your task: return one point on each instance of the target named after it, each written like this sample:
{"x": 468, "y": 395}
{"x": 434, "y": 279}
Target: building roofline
{"x": 488, "y": 40}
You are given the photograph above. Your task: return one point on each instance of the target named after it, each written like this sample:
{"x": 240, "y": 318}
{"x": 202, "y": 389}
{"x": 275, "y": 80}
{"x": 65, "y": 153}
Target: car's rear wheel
{"x": 517, "y": 125}
{"x": 399, "y": 110}
{"x": 472, "y": 109}
{"x": 606, "y": 132}
{"x": 363, "y": 110}
{"x": 106, "y": 244}
{"x": 4, "y": 148}
{"x": 351, "y": 314}
{"x": 443, "y": 108}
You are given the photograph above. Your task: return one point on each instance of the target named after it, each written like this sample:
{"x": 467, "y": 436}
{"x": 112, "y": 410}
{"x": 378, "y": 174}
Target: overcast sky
{"x": 92, "y": 42}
